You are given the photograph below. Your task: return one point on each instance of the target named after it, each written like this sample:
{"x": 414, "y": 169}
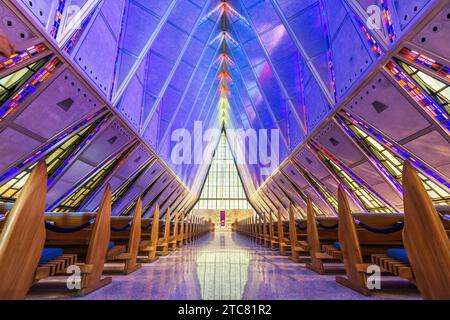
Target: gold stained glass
{"x": 370, "y": 202}
{"x": 437, "y": 89}
{"x": 9, "y": 192}
{"x": 394, "y": 164}
{"x": 13, "y": 82}
{"x": 76, "y": 199}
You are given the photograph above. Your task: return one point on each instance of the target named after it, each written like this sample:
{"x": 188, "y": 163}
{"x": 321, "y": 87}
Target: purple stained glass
{"x": 222, "y": 218}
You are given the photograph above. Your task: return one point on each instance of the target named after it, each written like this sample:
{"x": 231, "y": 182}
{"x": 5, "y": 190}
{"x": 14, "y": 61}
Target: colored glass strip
{"x": 437, "y": 90}
{"x": 74, "y": 198}
{"x": 432, "y": 108}
{"x": 14, "y": 103}
{"x": 389, "y": 163}
{"x": 143, "y": 195}
{"x": 58, "y": 18}
{"x": 373, "y": 158}
{"x": 25, "y": 55}
{"x": 317, "y": 211}
{"x": 123, "y": 189}
{"x": 387, "y": 19}
{"x": 361, "y": 191}
{"x": 376, "y": 49}
{"x": 427, "y": 62}
{"x": 321, "y": 190}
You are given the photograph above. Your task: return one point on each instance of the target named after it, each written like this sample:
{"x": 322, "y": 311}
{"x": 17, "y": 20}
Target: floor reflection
{"x": 223, "y": 272}
{"x": 227, "y": 266}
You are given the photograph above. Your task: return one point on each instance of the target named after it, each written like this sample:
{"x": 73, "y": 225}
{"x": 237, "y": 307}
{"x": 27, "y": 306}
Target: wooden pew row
{"x": 88, "y": 236}
{"x": 148, "y": 251}
{"x": 174, "y": 234}
{"x": 361, "y": 240}
{"x": 126, "y": 232}
{"x": 84, "y": 240}
{"x": 23, "y": 259}
{"x": 123, "y": 243}
{"x": 426, "y": 256}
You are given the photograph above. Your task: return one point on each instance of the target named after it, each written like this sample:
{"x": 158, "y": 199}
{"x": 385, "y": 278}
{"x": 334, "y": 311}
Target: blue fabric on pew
{"x": 337, "y": 245}
{"x": 398, "y": 226}
{"x": 111, "y": 245}
{"x": 51, "y": 226}
{"x": 147, "y": 227}
{"x": 299, "y": 227}
{"x": 398, "y": 254}
{"x": 328, "y": 227}
{"x": 49, "y": 254}
{"x": 120, "y": 229}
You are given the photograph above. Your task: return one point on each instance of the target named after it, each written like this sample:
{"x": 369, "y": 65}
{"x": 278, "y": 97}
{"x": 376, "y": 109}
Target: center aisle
{"x": 225, "y": 266}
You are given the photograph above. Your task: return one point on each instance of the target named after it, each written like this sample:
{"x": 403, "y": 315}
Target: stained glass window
{"x": 323, "y": 191}
{"x": 393, "y": 164}
{"x": 14, "y": 81}
{"x": 147, "y": 207}
{"x": 78, "y": 197}
{"x": 9, "y": 192}
{"x": 438, "y": 90}
{"x": 291, "y": 186}
{"x": 371, "y": 202}
{"x": 123, "y": 189}
{"x": 223, "y": 189}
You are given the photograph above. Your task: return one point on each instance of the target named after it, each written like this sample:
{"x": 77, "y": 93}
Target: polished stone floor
{"x": 224, "y": 266}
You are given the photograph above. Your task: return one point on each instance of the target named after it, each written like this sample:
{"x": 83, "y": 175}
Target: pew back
{"x": 23, "y": 236}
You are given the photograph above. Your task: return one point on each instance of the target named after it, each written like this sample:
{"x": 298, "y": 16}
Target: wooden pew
{"x": 266, "y": 232}
{"x": 180, "y": 239}
{"x": 173, "y": 238}
{"x": 320, "y": 240}
{"x": 91, "y": 243}
{"x": 255, "y": 233}
{"x": 149, "y": 238}
{"x": 426, "y": 242}
{"x": 186, "y": 230}
{"x": 273, "y": 236}
{"x": 23, "y": 237}
{"x": 192, "y": 229}
{"x": 260, "y": 238}
{"x": 195, "y": 228}
{"x": 297, "y": 243}
{"x": 357, "y": 244}
{"x": 284, "y": 243}
{"x": 163, "y": 241}
{"x": 131, "y": 236}
{"x": 52, "y": 261}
